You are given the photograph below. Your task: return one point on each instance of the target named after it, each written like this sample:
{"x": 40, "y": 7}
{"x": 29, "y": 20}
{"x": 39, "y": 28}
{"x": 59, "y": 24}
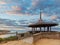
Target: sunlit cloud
{"x": 54, "y": 17}
{"x": 29, "y": 10}
{"x": 2, "y": 2}
{"x": 16, "y": 8}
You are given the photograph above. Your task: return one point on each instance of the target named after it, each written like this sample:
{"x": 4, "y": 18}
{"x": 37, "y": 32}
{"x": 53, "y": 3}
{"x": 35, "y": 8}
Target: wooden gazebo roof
{"x": 41, "y": 23}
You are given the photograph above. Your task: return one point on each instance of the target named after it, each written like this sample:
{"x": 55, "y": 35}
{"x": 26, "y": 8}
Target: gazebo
{"x": 41, "y": 24}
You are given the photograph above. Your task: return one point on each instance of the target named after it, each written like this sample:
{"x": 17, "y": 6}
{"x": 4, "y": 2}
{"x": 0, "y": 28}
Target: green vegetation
{"x": 11, "y": 38}
{"x": 1, "y": 40}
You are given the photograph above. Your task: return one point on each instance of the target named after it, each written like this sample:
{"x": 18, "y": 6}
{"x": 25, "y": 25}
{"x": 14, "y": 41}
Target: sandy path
{"x": 29, "y": 41}
{"x": 48, "y": 42}
{"x": 16, "y": 43}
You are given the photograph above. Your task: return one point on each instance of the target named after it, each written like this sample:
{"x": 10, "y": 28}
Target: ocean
{"x": 22, "y": 31}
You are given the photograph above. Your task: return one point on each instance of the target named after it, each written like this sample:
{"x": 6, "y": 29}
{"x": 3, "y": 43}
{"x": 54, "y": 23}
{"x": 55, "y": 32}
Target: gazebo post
{"x": 44, "y": 29}
{"x": 32, "y": 30}
{"x": 48, "y": 28}
{"x": 40, "y": 29}
{"x": 36, "y": 29}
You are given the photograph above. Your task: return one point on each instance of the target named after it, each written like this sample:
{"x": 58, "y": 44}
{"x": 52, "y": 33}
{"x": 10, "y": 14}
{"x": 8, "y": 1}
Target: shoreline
{"x": 2, "y": 32}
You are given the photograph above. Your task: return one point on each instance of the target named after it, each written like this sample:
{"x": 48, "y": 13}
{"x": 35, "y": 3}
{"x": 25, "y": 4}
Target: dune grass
{"x": 11, "y": 38}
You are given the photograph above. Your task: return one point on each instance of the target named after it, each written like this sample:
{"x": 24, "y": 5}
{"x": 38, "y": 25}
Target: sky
{"x": 19, "y": 13}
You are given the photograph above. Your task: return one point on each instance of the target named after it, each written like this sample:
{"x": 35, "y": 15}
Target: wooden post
{"x": 40, "y": 29}
{"x": 48, "y": 29}
{"x": 36, "y": 29}
{"x": 33, "y": 30}
{"x": 44, "y": 29}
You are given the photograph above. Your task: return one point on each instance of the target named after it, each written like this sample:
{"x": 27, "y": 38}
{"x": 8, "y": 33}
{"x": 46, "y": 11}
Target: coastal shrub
{"x": 1, "y": 40}
{"x": 4, "y": 40}
{"x": 8, "y": 39}
{"x": 11, "y": 38}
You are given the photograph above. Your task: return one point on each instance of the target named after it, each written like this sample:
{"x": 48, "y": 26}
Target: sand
{"x": 26, "y": 41}
{"x": 29, "y": 41}
{"x": 48, "y": 42}
{"x": 16, "y": 43}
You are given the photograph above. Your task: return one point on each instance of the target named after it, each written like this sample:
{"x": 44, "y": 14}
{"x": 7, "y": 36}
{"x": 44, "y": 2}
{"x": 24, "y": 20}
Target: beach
{"x": 48, "y": 42}
{"x": 29, "y": 41}
{"x": 26, "y": 41}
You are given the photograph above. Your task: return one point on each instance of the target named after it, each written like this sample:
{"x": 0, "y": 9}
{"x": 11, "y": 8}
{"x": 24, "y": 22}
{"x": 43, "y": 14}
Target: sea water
{"x": 22, "y": 31}
{"x": 12, "y": 33}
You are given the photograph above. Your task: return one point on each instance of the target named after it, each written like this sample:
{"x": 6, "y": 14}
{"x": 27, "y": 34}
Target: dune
{"x": 29, "y": 41}
{"x": 48, "y": 42}
{"x": 26, "y": 41}
{"x": 16, "y": 43}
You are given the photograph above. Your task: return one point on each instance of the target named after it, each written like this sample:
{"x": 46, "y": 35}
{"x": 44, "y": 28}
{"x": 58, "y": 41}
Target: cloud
{"x": 12, "y": 12}
{"x": 16, "y": 8}
{"x": 32, "y": 7}
{"x": 35, "y": 5}
{"x": 42, "y": 4}
{"x": 13, "y": 23}
{"x": 2, "y": 2}
{"x": 54, "y": 17}
{"x": 20, "y": 7}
